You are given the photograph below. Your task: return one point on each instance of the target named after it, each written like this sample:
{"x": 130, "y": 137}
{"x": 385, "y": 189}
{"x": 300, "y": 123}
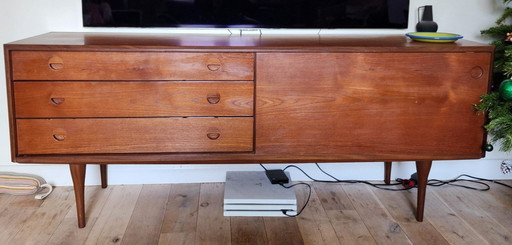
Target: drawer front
{"x": 47, "y": 65}
{"x": 134, "y": 135}
{"x": 132, "y": 99}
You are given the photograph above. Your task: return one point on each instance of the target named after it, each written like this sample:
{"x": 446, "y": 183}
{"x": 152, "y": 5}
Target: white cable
{"x": 44, "y": 195}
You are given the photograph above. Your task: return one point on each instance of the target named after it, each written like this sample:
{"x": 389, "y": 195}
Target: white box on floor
{"x": 250, "y": 193}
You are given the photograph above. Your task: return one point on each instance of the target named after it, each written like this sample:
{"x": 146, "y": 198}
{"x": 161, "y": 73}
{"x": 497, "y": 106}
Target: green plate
{"x": 434, "y": 37}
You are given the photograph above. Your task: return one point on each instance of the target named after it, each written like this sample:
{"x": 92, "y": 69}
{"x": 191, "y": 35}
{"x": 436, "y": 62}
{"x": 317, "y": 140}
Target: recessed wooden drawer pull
{"x": 57, "y": 101}
{"x": 59, "y": 137}
{"x": 59, "y": 134}
{"x": 213, "y": 98}
{"x": 477, "y": 72}
{"x": 56, "y": 63}
{"x": 214, "y": 64}
{"x": 56, "y": 66}
{"x": 213, "y": 136}
{"x": 213, "y": 67}
{"x": 213, "y": 133}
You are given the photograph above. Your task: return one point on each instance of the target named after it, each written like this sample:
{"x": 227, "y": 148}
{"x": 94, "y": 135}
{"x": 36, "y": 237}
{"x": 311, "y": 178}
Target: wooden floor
{"x": 192, "y": 214}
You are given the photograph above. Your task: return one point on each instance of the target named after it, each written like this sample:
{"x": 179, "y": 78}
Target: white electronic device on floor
{"x": 250, "y": 193}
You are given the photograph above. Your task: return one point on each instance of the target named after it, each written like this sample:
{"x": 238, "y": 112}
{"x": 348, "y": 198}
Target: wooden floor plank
{"x": 402, "y": 206}
{"x": 180, "y": 219}
{"x": 333, "y": 197}
{"x": 248, "y": 231}
{"x": 46, "y": 219}
{"x": 113, "y": 220}
{"x": 147, "y": 217}
{"x": 213, "y": 227}
{"x": 384, "y": 229}
{"x": 67, "y": 232}
{"x": 192, "y": 214}
{"x": 496, "y": 203}
{"x": 502, "y": 193}
{"x": 5, "y": 199}
{"x": 472, "y": 211}
{"x": 452, "y": 227}
{"x": 346, "y": 222}
{"x": 282, "y": 230}
{"x": 349, "y": 227}
{"x": 16, "y": 211}
{"x": 21, "y": 201}
{"x": 314, "y": 222}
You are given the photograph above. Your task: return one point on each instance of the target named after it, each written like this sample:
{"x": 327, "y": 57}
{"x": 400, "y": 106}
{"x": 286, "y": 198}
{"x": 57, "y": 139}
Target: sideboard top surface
{"x": 237, "y": 43}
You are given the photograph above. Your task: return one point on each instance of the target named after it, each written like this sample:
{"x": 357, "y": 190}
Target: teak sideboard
{"x": 105, "y": 98}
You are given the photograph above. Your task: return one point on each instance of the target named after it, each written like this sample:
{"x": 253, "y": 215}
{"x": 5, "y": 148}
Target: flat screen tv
{"x": 316, "y": 14}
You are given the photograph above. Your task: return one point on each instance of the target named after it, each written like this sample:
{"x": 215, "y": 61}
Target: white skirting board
{"x": 250, "y": 193}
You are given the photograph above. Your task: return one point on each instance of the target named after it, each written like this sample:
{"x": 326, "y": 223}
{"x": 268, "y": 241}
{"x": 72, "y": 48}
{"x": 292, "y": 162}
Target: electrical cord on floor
{"x": 335, "y": 180}
{"x": 305, "y": 204}
{"x": 285, "y": 211}
{"x": 406, "y": 184}
{"x": 476, "y": 180}
{"x": 411, "y": 183}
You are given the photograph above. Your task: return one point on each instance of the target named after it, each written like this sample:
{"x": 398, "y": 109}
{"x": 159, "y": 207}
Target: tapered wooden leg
{"x": 103, "y": 172}
{"x": 422, "y": 169}
{"x": 387, "y": 172}
{"x": 78, "y": 176}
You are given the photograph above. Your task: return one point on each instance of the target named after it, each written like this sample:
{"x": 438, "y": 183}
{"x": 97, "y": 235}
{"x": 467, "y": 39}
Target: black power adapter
{"x": 277, "y": 176}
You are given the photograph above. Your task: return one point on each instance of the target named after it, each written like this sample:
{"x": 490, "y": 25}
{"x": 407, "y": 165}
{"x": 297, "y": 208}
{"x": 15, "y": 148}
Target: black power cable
{"x": 336, "y": 180}
{"x": 407, "y": 184}
{"x": 285, "y": 211}
{"x": 476, "y": 180}
{"x": 431, "y": 182}
{"x": 305, "y": 204}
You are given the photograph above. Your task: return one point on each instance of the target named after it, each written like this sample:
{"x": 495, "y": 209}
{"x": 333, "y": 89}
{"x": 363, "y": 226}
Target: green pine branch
{"x": 499, "y": 113}
{"x": 499, "y": 110}
{"x": 499, "y": 32}
{"x": 506, "y": 14}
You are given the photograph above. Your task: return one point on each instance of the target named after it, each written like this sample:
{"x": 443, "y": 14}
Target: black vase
{"x": 426, "y": 24}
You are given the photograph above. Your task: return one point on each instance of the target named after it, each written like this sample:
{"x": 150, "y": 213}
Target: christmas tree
{"x": 498, "y": 103}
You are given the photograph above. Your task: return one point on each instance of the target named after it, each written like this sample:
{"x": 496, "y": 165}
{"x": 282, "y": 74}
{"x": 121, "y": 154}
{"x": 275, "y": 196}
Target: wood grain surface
{"x": 132, "y": 135}
{"x": 192, "y": 214}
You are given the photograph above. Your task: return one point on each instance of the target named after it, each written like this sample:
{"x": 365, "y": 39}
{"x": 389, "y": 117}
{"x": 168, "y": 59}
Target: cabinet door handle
{"x": 213, "y": 98}
{"x": 213, "y": 136}
{"x": 57, "y": 101}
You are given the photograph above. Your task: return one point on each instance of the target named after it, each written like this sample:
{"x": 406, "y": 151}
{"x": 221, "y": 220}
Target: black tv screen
{"x": 246, "y": 13}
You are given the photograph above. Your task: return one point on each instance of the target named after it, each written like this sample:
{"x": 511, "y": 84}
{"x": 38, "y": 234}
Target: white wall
{"x": 23, "y": 18}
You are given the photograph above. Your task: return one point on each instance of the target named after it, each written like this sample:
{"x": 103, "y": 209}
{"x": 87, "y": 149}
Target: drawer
{"x": 134, "y": 135}
{"x": 132, "y": 99}
{"x": 48, "y": 65}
